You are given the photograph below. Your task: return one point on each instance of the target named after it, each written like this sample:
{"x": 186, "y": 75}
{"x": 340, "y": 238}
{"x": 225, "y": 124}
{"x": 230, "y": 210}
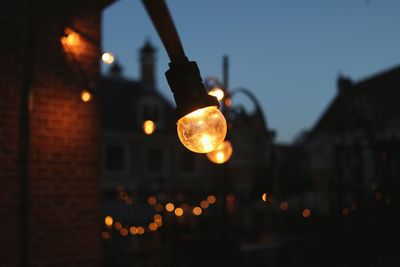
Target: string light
{"x": 107, "y": 58}
{"x": 86, "y": 95}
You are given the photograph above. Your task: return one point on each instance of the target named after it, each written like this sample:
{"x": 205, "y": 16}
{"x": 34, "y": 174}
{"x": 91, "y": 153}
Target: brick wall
{"x": 62, "y": 180}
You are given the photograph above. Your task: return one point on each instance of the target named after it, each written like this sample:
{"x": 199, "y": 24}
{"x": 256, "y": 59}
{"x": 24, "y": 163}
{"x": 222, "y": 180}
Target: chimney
{"x": 147, "y": 65}
{"x": 343, "y": 84}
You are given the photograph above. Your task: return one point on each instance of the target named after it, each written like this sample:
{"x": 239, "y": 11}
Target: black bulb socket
{"x": 188, "y": 89}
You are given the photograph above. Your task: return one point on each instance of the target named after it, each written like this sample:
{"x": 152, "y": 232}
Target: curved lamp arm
{"x": 253, "y": 98}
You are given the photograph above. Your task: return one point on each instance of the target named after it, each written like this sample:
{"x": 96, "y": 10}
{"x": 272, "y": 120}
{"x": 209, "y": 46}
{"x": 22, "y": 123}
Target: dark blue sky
{"x": 287, "y": 52}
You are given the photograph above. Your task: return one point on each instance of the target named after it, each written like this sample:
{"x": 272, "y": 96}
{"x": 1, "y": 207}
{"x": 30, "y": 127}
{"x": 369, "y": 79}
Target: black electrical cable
{"x": 162, "y": 21}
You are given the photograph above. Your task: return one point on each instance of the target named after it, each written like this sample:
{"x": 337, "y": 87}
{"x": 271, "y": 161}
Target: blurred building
{"x": 48, "y": 136}
{"x": 354, "y": 148}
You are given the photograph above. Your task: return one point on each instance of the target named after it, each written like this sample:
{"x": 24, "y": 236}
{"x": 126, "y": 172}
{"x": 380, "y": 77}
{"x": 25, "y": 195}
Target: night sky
{"x": 288, "y": 53}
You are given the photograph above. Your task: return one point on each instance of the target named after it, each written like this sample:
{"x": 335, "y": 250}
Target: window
{"x": 115, "y": 158}
{"x": 156, "y": 161}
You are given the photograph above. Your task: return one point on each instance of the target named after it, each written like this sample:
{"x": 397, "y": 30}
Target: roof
{"x": 119, "y": 99}
{"x": 368, "y": 103}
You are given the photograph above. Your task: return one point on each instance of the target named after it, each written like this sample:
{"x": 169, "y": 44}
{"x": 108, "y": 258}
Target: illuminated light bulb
{"x": 228, "y": 102}
{"x": 178, "y": 212}
{"x": 197, "y": 211}
{"x": 149, "y": 127}
{"x": 107, "y": 58}
{"x": 217, "y": 92}
{"x": 108, "y": 220}
{"x": 203, "y": 130}
{"x": 221, "y": 154}
{"x": 86, "y": 96}
{"x": 169, "y": 207}
{"x": 211, "y": 199}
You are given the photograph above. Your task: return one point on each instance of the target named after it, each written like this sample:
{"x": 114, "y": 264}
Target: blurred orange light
{"x": 284, "y": 205}
{"x": 86, "y": 96}
{"x": 133, "y": 230}
{"x": 178, "y": 212}
{"x": 117, "y": 225}
{"x": 105, "y": 235}
{"x": 228, "y": 102}
{"x": 140, "y": 230}
{"x": 197, "y": 211}
{"x": 306, "y": 213}
{"x": 124, "y": 232}
{"x": 170, "y": 207}
{"x": 157, "y": 217}
{"x": 149, "y": 127}
{"x": 153, "y": 227}
{"x": 204, "y": 204}
{"x": 211, "y": 199}
{"x": 108, "y": 220}
{"x": 151, "y": 200}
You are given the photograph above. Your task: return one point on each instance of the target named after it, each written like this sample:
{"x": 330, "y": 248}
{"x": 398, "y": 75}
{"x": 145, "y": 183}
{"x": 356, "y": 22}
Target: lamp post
{"x": 201, "y": 126}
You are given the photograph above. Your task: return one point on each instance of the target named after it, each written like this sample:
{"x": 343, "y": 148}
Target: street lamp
{"x": 201, "y": 126}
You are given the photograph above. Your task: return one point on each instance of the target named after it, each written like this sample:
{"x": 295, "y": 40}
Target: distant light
{"x": 284, "y": 205}
{"x": 204, "y": 204}
{"x": 354, "y": 206}
{"x": 107, "y": 58}
{"x": 378, "y": 196}
{"x": 140, "y": 230}
{"x": 105, "y": 235}
{"x": 228, "y": 102}
{"x": 149, "y": 127}
{"x": 217, "y": 92}
{"x": 169, "y": 207}
{"x": 345, "y": 211}
{"x": 117, "y": 225}
{"x": 306, "y": 213}
{"x": 211, "y": 199}
{"x": 86, "y": 95}
{"x": 153, "y": 227}
{"x": 157, "y": 218}
{"x": 108, "y": 220}
{"x": 178, "y": 212}
{"x": 70, "y": 38}
{"x": 152, "y": 200}
{"x": 197, "y": 211}
{"x": 124, "y": 232}
{"x": 133, "y": 230}
{"x": 264, "y": 197}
